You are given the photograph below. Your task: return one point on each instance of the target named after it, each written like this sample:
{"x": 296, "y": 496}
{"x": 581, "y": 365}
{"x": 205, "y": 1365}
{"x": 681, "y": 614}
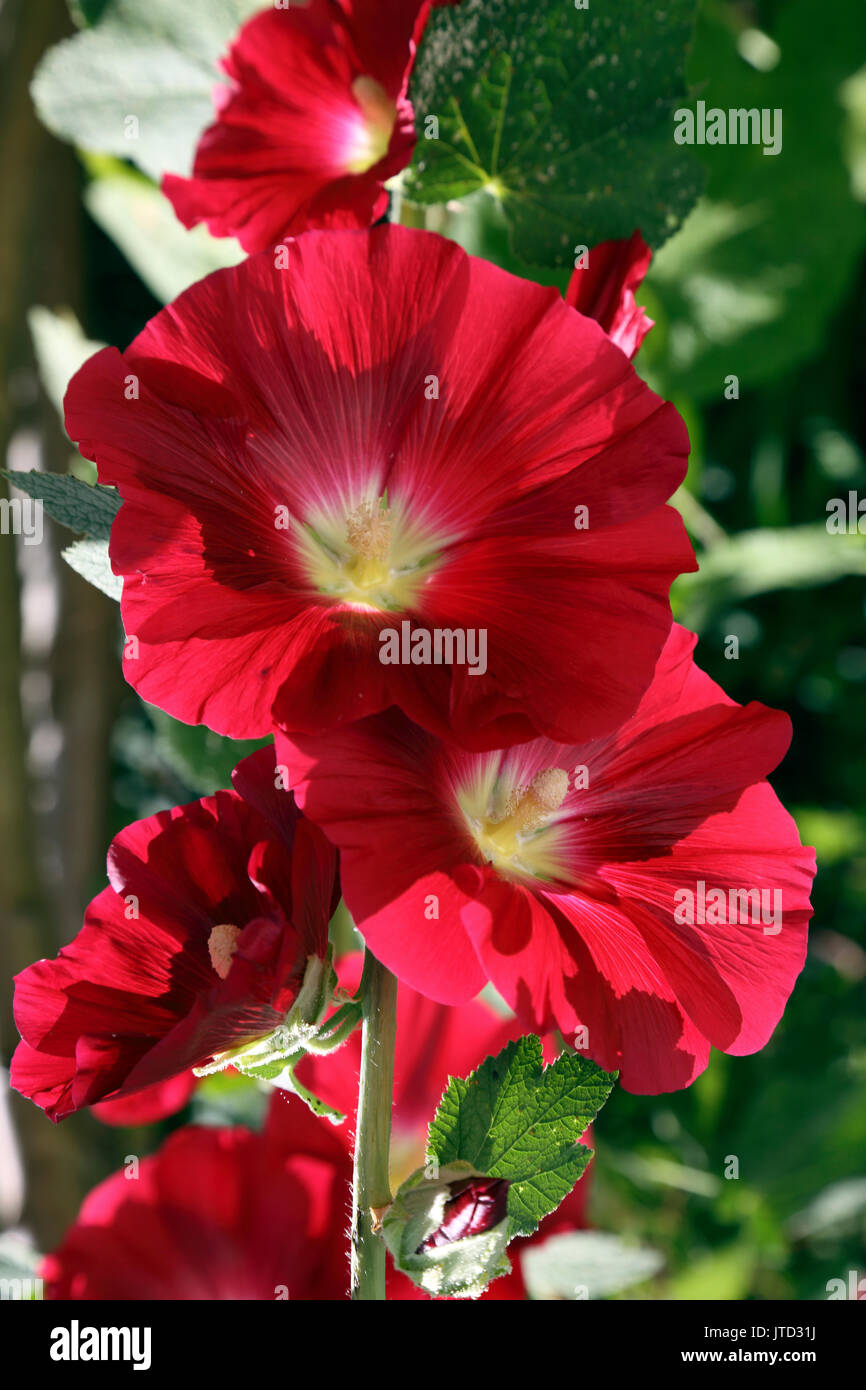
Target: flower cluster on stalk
{"x": 355, "y": 428}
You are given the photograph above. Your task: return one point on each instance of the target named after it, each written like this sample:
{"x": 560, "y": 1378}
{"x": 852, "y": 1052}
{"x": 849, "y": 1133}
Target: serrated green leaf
{"x": 563, "y": 114}
{"x": 141, "y": 222}
{"x": 85, "y": 509}
{"x": 514, "y": 1118}
{"x": 585, "y": 1264}
{"x": 151, "y": 59}
{"x": 90, "y": 559}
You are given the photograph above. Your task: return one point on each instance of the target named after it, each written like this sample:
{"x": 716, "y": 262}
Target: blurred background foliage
{"x": 766, "y": 282}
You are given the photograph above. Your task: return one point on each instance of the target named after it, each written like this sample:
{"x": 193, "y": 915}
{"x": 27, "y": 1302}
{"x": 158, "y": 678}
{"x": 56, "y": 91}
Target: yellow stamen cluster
{"x": 368, "y": 531}
{"x": 370, "y": 556}
{"x": 507, "y": 839}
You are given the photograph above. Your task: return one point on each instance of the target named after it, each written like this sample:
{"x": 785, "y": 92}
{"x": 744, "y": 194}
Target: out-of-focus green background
{"x": 765, "y": 282}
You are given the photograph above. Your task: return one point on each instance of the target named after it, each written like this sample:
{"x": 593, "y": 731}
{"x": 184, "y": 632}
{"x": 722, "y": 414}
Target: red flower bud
{"x": 475, "y": 1205}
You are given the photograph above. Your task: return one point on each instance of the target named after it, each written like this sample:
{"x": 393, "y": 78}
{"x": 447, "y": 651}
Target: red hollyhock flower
{"x": 200, "y": 945}
{"x": 314, "y": 120}
{"x": 387, "y": 435}
{"x": 217, "y": 1214}
{"x": 564, "y": 874}
{"x": 604, "y": 290}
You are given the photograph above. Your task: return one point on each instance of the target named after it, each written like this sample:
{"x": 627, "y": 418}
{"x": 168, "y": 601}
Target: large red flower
{"x": 386, "y": 440}
{"x": 314, "y": 120}
{"x": 199, "y": 946}
{"x": 564, "y": 873}
{"x": 217, "y": 1214}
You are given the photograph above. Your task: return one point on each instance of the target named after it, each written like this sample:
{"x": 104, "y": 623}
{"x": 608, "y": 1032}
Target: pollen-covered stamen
{"x": 528, "y": 809}
{"x": 374, "y": 556}
{"x": 222, "y": 944}
{"x": 368, "y": 532}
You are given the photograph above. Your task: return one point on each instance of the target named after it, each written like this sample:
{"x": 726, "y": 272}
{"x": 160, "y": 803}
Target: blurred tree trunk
{"x": 40, "y": 263}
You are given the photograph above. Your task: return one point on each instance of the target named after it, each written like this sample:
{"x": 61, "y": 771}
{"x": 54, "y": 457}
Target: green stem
{"x": 371, "y": 1187}
{"x": 698, "y": 520}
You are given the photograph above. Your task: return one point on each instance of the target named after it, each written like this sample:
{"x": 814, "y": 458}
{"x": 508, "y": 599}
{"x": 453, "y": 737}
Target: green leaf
{"x": 585, "y": 1264}
{"x": 90, "y": 559}
{"x": 204, "y": 760}
{"x": 563, "y": 114}
{"x": 61, "y": 348}
{"x": 756, "y": 562}
{"x": 154, "y": 60}
{"x": 88, "y": 510}
{"x": 748, "y": 285}
{"x": 141, "y": 222}
{"x": 515, "y": 1118}
{"x": 85, "y": 12}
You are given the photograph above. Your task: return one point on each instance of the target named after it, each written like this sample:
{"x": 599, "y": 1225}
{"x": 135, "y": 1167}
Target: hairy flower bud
{"x": 449, "y": 1233}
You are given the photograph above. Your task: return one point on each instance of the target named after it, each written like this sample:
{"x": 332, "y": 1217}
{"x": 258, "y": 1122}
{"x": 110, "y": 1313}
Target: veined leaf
{"x": 564, "y": 115}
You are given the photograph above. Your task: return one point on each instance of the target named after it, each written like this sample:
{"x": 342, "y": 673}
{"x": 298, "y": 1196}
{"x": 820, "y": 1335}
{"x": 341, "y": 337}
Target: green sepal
{"x": 461, "y": 1269}
{"x": 273, "y": 1058}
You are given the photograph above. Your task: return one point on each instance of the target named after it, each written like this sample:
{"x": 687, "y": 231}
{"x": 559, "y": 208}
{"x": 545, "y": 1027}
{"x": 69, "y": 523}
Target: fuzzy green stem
{"x": 371, "y": 1187}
